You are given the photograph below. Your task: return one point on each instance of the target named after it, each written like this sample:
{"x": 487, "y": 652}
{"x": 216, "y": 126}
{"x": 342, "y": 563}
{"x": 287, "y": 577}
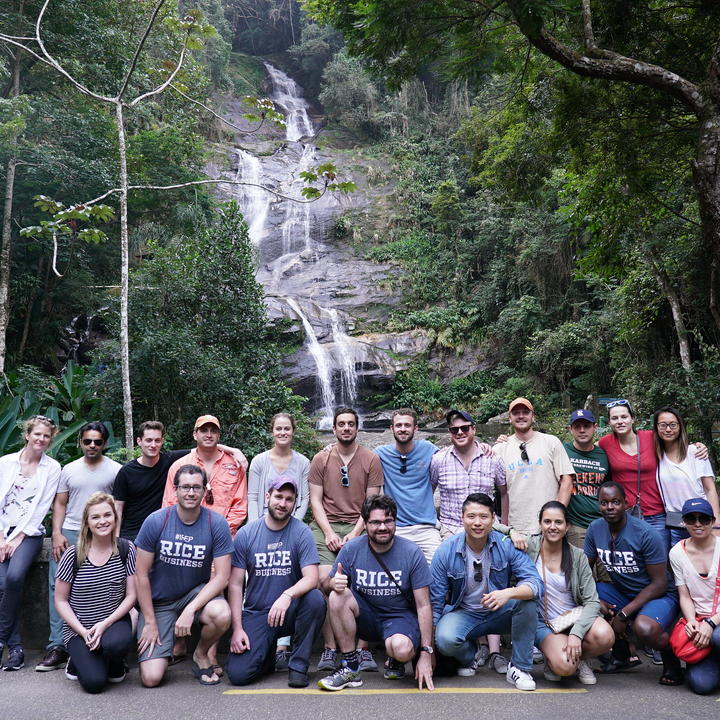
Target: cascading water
{"x": 252, "y": 199}
{"x": 288, "y": 95}
{"x": 296, "y": 228}
{"x": 345, "y": 349}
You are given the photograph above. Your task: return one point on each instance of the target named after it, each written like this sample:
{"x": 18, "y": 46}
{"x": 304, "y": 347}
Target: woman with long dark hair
{"x": 570, "y": 604}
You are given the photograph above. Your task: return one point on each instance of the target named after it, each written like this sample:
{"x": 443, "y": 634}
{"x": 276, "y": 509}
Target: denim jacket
{"x": 448, "y": 571}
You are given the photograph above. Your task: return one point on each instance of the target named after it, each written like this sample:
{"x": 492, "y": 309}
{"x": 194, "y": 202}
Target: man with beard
{"x": 341, "y": 478}
{"x": 378, "y": 589}
{"x": 275, "y": 573}
{"x": 406, "y": 470}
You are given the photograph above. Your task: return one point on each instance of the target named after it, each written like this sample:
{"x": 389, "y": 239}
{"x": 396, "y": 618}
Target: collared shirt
{"x": 448, "y": 474}
{"x": 229, "y": 487}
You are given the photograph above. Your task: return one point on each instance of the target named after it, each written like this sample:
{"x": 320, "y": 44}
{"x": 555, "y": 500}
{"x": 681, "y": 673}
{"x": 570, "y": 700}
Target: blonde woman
{"x": 94, "y": 592}
{"x": 28, "y": 482}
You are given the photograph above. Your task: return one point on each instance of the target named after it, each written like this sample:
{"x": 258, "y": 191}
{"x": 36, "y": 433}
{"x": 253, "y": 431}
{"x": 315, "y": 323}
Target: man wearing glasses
{"x": 177, "y": 548}
{"x": 406, "y": 469}
{"x": 378, "y": 589}
{"x": 641, "y": 595}
{"x": 340, "y": 479}
{"x": 471, "y": 592}
{"x": 537, "y": 469}
{"x": 91, "y": 473}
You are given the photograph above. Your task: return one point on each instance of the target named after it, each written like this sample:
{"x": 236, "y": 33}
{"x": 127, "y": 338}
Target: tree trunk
{"x": 124, "y": 283}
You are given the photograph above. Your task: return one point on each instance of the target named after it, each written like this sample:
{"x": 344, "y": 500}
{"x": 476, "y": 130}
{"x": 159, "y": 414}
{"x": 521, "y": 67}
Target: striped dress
{"x": 96, "y": 592}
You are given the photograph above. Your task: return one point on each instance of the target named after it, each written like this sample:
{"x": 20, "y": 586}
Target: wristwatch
{"x": 710, "y": 622}
{"x": 427, "y": 648}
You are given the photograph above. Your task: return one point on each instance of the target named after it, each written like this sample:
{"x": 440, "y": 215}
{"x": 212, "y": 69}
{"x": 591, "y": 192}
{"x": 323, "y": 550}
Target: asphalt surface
{"x": 29, "y": 695}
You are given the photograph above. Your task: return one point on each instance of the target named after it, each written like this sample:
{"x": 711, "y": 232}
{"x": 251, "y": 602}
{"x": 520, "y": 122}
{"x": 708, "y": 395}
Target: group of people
{"x": 432, "y": 553}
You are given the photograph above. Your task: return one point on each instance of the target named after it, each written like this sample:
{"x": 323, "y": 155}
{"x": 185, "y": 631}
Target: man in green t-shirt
{"x": 592, "y": 469}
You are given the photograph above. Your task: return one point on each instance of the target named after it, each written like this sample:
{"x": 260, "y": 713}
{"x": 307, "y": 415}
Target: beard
{"x": 278, "y": 515}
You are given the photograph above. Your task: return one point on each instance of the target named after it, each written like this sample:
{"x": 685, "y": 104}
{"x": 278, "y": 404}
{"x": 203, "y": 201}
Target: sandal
{"x": 614, "y": 665}
{"x": 203, "y": 675}
{"x": 218, "y": 669}
{"x": 671, "y": 678}
{"x": 175, "y": 659}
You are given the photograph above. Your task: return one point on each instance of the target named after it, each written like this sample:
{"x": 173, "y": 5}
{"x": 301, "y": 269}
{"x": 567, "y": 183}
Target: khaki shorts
{"x": 426, "y": 537}
{"x": 327, "y": 556}
{"x": 576, "y": 537}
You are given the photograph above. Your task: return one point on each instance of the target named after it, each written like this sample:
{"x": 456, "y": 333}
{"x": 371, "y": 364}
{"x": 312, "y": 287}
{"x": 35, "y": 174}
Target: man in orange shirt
{"x": 227, "y": 483}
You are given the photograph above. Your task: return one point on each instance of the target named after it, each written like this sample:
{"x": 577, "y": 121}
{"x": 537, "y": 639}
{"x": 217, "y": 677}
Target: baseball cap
{"x": 282, "y": 481}
{"x": 205, "y": 419}
{"x": 521, "y": 401}
{"x": 582, "y": 415}
{"x": 697, "y": 505}
{"x": 459, "y": 413}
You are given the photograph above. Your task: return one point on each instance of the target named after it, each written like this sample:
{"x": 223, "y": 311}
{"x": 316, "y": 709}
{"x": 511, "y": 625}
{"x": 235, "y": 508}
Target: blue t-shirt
{"x": 404, "y": 560}
{"x": 625, "y": 558}
{"x": 411, "y": 490}
{"x": 183, "y": 553}
{"x": 273, "y": 560}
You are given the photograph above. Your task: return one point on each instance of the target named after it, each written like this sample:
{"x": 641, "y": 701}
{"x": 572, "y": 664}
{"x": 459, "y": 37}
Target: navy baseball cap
{"x": 459, "y": 413}
{"x": 582, "y": 415}
{"x": 281, "y": 482}
{"x": 697, "y": 505}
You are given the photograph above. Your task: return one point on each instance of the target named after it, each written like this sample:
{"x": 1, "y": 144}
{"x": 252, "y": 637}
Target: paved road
{"x": 27, "y": 695}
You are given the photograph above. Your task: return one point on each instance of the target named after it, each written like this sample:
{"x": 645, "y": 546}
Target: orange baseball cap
{"x": 521, "y": 401}
{"x": 205, "y": 419}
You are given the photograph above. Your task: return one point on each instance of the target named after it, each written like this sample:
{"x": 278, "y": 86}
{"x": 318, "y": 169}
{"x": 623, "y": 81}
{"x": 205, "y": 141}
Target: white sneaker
{"x": 479, "y": 660}
{"x": 585, "y": 674}
{"x": 549, "y": 675}
{"x": 519, "y": 678}
{"x": 538, "y": 657}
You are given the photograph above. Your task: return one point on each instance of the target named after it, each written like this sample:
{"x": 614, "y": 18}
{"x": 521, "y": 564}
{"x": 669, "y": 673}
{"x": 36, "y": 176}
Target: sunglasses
{"x": 465, "y": 429}
{"x": 478, "y": 568}
{"x": 615, "y": 403}
{"x": 695, "y": 519}
{"x": 403, "y": 464}
{"x": 523, "y": 452}
{"x": 344, "y": 476}
{"x": 43, "y": 418}
{"x": 93, "y": 441}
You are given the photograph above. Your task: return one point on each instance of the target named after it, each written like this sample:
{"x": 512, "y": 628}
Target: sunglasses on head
{"x": 696, "y": 518}
{"x": 44, "y": 418}
{"x": 615, "y": 403}
{"x": 344, "y": 476}
{"x": 93, "y": 441}
{"x": 465, "y": 429}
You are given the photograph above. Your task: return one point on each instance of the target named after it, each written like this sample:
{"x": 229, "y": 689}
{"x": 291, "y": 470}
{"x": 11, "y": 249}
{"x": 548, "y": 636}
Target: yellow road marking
{"x": 409, "y": 691}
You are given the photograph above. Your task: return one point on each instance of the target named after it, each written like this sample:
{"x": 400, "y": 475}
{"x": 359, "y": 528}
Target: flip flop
{"x": 200, "y": 673}
{"x": 671, "y": 679}
{"x": 218, "y": 670}
{"x": 617, "y": 666}
{"x": 175, "y": 659}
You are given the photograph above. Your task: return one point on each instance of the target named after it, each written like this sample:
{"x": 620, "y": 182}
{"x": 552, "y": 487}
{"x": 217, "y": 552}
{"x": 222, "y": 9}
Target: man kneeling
{"x": 276, "y": 554}
{"x": 471, "y": 593}
{"x": 378, "y": 589}
{"x": 176, "y": 549}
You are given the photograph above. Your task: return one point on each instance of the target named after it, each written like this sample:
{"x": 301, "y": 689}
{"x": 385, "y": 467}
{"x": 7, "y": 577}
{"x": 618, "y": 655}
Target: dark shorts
{"x": 375, "y": 625}
{"x": 664, "y": 609}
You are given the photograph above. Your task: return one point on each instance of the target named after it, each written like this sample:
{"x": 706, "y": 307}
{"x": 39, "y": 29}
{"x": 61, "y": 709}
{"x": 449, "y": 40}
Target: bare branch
{"x": 54, "y": 257}
{"x": 10, "y": 41}
{"x": 166, "y": 84}
{"x": 139, "y": 48}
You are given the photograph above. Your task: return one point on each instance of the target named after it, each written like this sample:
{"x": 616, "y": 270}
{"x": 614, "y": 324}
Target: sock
{"x": 352, "y": 660}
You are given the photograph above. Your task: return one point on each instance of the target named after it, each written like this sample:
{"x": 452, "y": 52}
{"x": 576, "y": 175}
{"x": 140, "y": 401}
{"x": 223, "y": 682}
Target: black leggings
{"x": 91, "y": 666}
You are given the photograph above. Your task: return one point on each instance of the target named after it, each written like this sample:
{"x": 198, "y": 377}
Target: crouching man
{"x": 471, "y": 593}
{"x": 275, "y": 571}
{"x": 378, "y": 589}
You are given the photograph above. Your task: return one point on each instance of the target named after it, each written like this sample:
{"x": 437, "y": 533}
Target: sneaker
{"x": 519, "y": 678}
{"x": 367, "y": 662}
{"x": 394, "y": 669}
{"x": 497, "y": 663}
{"x": 470, "y": 670}
{"x": 70, "y": 671}
{"x": 15, "y": 659}
{"x": 585, "y": 674}
{"x": 282, "y": 658}
{"x": 538, "y": 657}
{"x": 328, "y": 660}
{"x": 117, "y": 671}
{"x": 482, "y": 655}
{"x": 55, "y": 658}
{"x": 297, "y": 679}
{"x": 549, "y": 675}
{"x": 340, "y": 679}
{"x": 656, "y": 657}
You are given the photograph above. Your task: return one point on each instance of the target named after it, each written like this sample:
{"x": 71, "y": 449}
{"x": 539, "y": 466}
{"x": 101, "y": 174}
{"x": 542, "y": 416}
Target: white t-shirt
{"x": 681, "y": 481}
{"x": 702, "y": 590}
{"x": 18, "y": 500}
{"x": 559, "y": 598}
{"x": 531, "y": 484}
{"x": 80, "y": 480}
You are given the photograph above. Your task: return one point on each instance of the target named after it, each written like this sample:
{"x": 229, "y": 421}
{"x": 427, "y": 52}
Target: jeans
{"x": 92, "y": 666}
{"x": 676, "y": 535}
{"x": 703, "y": 677}
{"x": 457, "y": 631}
{"x": 303, "y": 619}
{"x": 12, "y": 580}
{"x": 658, "y": 523}
{"x": 56, "y": 623}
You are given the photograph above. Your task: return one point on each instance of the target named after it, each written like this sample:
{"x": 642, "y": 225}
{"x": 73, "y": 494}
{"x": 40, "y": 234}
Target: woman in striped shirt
{"x": 94, "y": 592}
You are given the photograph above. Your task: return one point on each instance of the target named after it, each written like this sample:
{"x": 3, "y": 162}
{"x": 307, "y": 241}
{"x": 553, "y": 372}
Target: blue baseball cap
{"x": 697, "y": 505}
{"x": 459, "y": 413}
{"x": 582, "y": 415}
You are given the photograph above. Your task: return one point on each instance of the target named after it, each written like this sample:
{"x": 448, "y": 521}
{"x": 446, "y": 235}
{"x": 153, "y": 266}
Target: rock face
{"x": 318, "y": 289}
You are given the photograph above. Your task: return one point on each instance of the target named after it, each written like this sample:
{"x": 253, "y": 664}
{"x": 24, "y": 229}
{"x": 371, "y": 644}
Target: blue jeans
{"x": 12, "y": 581}
{"x": 658, "y": 523}
{"x": 704, "y": 677}
{"x": 56, "y": 623}
{"x": 457, "y": 631}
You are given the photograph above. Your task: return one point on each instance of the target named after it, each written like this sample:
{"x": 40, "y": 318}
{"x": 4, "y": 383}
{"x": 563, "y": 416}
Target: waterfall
{"x": 345, "y": 349}
{"x": 253, "y": 201}
{"x": 288, "y": 95}
{"x": 296, "y": 228}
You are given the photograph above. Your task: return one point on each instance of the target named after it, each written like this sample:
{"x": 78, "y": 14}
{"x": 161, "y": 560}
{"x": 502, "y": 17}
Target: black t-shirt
{"x": 141, "y": 489}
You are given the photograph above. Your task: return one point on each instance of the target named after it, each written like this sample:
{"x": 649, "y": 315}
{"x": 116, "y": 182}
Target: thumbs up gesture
{"x": 340, "y": 580}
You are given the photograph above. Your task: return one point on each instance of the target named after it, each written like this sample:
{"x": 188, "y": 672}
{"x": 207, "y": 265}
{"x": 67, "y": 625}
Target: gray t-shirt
{"x": 475, "y": 564}
{"x": 80, "y": 480}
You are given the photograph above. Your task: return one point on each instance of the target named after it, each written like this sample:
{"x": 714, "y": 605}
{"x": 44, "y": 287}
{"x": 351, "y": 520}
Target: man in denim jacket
{"x": 471, "y": 593}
